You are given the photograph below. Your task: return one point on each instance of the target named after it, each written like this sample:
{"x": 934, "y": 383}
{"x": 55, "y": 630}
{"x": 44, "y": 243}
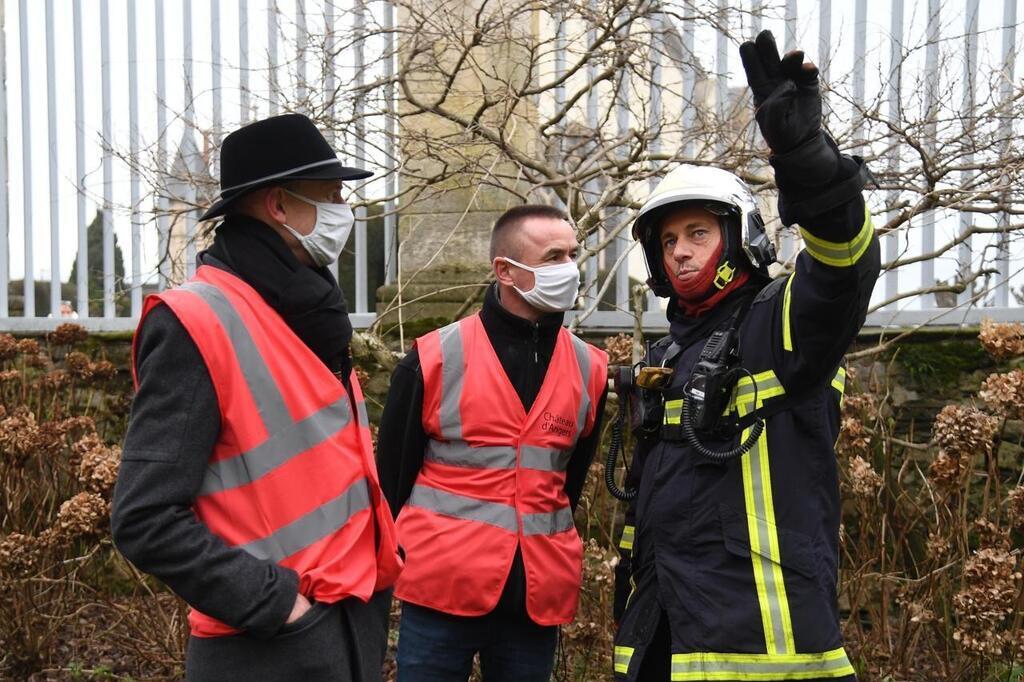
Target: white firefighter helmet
{"x": 745, "y": 242}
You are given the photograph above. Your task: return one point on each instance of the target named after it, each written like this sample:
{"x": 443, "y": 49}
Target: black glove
{"x": 788, "y": 111}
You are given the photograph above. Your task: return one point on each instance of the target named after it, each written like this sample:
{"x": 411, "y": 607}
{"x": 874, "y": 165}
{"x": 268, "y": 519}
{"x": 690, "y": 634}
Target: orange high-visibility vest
{"x": 493, "y": 477}
{"x": 292, "y": 477}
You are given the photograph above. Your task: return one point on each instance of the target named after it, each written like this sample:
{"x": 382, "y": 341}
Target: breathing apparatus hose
{"x": 613, "y": 454}
{"x": 715, "y": 456}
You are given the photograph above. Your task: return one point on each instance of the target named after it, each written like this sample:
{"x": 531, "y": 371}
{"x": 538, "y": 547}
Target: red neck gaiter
{"x": 699, "y": 295}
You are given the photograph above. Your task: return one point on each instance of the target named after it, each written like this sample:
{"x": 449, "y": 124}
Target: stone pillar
{"x": 444, "y": 232}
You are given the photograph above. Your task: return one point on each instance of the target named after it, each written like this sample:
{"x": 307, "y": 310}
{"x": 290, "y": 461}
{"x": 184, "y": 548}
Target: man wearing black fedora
{"x": 247, "y": 481}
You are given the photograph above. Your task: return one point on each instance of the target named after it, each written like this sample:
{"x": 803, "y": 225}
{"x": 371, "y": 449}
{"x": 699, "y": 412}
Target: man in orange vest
{"x": 487, "y": 434}
{"x": 247, "y": 481}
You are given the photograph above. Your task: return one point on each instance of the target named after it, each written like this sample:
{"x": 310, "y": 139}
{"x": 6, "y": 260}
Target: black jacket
{"x": 741, "y": 558}
{"x": 524, "y": 349}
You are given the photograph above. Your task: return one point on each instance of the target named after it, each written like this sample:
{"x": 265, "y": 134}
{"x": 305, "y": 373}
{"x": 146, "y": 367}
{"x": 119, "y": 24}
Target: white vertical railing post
{"x": 860, "y": 41}
{"x": 51, "y": 125}
{"x": 894, "y": 113}
{"x": 29, "y": 287}
{"x": 133, "y": 132}
{"x": 82, "y": 262}
{"x": 358, "y": 113}
{"x": 689, "y": 83}
{"x": 272, "y": 56}
{"x": 5, "y": 244}
{"x": 970, "y": 62}
{"x": 931, "y": 76}
{"x": 391, "y": 151}
{"x": 163, "y": 224}
{"x": 243, "y": 61}
{"x": 191, "y": 195}
{"x": 1006, "y": 93}
{"x": 301, "y": 35}
{"x": 109, "y": 270}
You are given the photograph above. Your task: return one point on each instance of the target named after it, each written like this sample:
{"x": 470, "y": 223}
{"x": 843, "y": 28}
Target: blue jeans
{"x": 439, "y": 647}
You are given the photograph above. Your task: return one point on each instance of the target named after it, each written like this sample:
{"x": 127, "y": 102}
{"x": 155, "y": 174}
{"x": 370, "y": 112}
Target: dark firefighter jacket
{"x": 742, "y": 557}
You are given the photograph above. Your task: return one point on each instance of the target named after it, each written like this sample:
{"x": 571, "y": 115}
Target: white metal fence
{"x": 129, "y": 85}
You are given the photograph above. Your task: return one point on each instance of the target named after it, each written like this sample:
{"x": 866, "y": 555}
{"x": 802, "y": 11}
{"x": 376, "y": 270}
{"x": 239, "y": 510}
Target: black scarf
{"x": 308, "y": 298}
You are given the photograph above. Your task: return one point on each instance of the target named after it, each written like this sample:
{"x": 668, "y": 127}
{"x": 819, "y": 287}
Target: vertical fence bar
{"x": 51, "y": 124}
{"x": 301, "y": 34}
{"x": 721, "y": 67}
{"x": 391, "y": 167}
{"x": 108, "y": 166}
{"x": 5, "y": 244}
{"x": 689, "y": 83}
{"x": 329, "y": 98}
{"x": 243, "y": 61}
{"x": 189, "y": 148}
{"x": 358, "y": 113}
{"x": 654, "y": 118}
{"x": 591, "y": 187}
{"x": 825, "y": 38}
{"x": 622, "y": 244}
{"x": 330, "y": 104}
{"x": 559, "y": 18}
{"x": 860, "y": 43}
{"x": 215, "y": 68}
{"x": 163, "y": 226}
{"x": 658, "y": 29}
{"x": 931, "y": 75}
{"x": 970, "y": 62}
{"x": 894, "y": 112}
{"x": 133, "y": 131}
{"x": 791, "y": 25}
{"x": 273, "y": 93}
{"x": 1006, "y": 134}
{"x": 29, "y": 288}
{"x": 82, "y": 263}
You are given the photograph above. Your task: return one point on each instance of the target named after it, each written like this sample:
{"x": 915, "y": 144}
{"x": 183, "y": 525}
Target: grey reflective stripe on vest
{"x": 286, "y": 443}
{"x": 547, "y": 523}
{"x": 257, "y": 375}
{"x": 451, "y": 381}
{"x": 466, "y": 508}
{"x": 583, "y": 359}
{"x": 459, "y": 453}
{"x": 543, "y": 459}
{"x": 313, "y": 526}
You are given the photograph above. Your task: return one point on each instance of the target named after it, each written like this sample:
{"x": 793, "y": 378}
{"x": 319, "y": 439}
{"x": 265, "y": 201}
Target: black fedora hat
{"x": 272, "y": 151}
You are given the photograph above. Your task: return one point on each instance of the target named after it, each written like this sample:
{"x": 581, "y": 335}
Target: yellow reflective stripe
{"x": 626, "y": 541}
{"x": 623, "y": 654}
{"x": 839, "y": 381}
{"x": 787, "y": 334}
{"x": 710, "y": 666}
{"x": 764, "y": 544}
{"x": 768, "y": 386}
{"x": 673, "y": 412}
{"x": 840, "y": 254}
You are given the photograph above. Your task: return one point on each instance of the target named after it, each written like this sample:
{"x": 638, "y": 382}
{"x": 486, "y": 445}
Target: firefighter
{"x": 489, "y": 429}
{"x": 731, "y": 546}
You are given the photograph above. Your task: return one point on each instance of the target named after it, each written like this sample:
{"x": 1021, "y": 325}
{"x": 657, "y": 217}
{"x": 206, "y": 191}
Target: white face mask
{"x": 330, "y": 232}
{"x": 555, "y": 287}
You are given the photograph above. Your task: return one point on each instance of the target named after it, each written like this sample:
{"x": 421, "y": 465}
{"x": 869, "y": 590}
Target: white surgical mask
{"x": 555, "y": 287}
{"x": 333, "y": 226}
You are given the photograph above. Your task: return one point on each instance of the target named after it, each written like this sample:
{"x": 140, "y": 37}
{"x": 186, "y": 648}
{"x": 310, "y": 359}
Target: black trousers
{"x": 343, "y": 641}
